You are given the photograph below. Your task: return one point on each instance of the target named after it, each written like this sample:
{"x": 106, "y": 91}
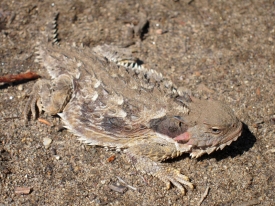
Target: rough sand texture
{"x": 217, "y": 49}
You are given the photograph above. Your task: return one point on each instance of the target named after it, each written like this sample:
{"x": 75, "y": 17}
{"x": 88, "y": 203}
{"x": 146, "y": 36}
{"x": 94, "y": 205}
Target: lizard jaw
{"x": 189, "y": 145}
{"x": 196, "y": 153}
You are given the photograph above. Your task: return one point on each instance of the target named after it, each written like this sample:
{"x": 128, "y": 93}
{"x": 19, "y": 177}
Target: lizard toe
{"x": 30, "y": 107}
{"x": 170, "y": 175}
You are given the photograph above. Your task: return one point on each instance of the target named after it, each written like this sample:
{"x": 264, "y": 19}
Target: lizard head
{"x": 211, "y": 126}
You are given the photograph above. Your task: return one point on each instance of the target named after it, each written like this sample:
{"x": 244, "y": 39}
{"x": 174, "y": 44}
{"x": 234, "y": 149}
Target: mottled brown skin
{"x": 106, "y": 99}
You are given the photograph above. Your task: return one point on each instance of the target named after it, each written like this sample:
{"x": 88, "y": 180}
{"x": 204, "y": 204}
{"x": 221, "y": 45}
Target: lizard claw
{"x": 170, "y": 175}
{"x": 32, "y": 102}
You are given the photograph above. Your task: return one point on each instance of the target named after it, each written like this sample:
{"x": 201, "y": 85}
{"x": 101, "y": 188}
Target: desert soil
{"x": 216, "y": 49}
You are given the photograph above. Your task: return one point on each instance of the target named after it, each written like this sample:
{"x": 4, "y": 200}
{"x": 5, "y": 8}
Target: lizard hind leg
{"x": 50, "y": 96}
{"x": 148, "y": 158}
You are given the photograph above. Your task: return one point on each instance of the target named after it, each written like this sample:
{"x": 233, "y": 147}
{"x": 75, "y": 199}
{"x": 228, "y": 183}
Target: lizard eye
{"x": 215, "y": 130}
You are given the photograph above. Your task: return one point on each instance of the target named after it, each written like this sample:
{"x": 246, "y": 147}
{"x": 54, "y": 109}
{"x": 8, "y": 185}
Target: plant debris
{"x": 10, "y": 78}
{"x": 22, "y": 190}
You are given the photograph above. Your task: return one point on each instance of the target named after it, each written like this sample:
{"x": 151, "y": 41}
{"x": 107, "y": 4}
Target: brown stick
{"x": 18, "y": 77}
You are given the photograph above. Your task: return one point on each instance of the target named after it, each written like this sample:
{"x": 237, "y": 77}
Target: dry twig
{"x": 44, "y": 121}
{"x": 204, "y": 195}
{"x": 18, "y": 77}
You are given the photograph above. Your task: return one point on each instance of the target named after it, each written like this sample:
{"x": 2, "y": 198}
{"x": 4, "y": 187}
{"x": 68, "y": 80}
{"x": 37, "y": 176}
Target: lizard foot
{"x": 49, "y": 96}
{"x": 170, "y": 175}
{"x": 32, "y": 101}
{"x": 166, "y": 174}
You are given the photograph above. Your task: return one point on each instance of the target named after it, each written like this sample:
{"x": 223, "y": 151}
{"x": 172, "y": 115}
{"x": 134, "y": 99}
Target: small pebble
{"x": 57, "y": 157}
{"x": 159, "y": 31}
{"x": 20, "y": 87}
{"x": 47, "y": 142}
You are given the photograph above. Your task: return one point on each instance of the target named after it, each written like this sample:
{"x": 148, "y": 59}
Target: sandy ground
{"x": 217, "y": 49}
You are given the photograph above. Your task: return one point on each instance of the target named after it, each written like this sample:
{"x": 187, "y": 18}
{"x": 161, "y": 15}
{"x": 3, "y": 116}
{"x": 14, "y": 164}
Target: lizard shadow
{"x": 18, "y": 80}
{"x": 13, "y": 84}
{"x": 243, "y": 144}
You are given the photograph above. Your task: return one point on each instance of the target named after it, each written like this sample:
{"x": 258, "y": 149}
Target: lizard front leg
{"x": 50, "y": 96}
{"x": 147, "y": 159}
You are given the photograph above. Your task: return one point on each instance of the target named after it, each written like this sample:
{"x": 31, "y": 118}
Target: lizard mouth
{"x": 197, "y": 151}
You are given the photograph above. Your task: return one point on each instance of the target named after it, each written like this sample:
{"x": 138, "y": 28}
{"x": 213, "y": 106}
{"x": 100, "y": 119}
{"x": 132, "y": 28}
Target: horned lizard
{"x": 106, "y": 98}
